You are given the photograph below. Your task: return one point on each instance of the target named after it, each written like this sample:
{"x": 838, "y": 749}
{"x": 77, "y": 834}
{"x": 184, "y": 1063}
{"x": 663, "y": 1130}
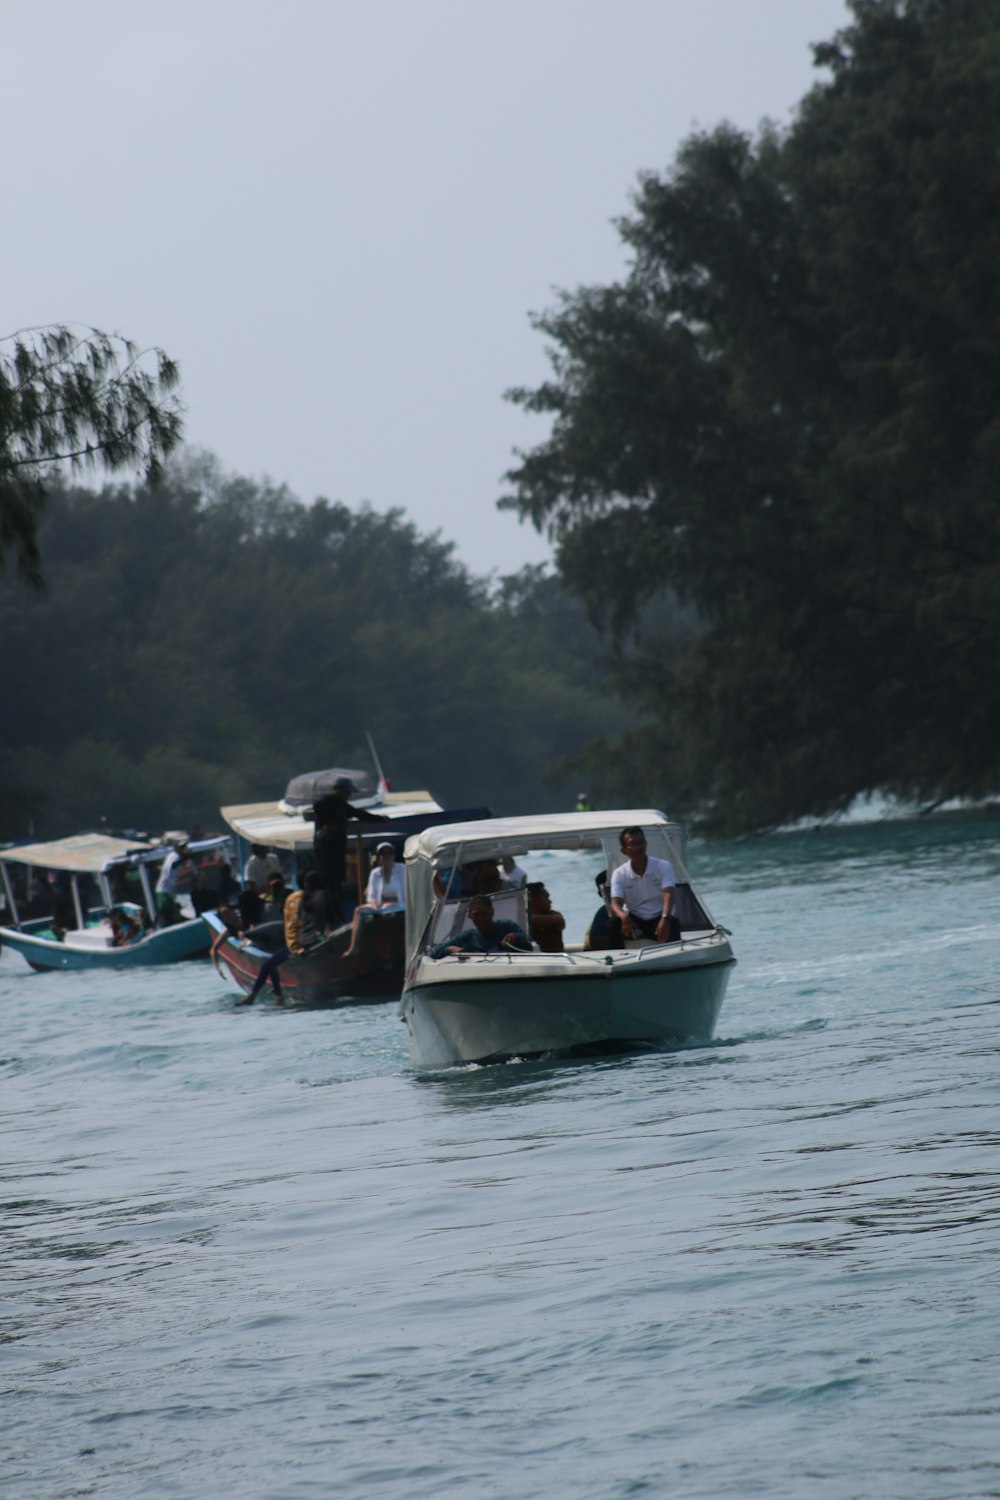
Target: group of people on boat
{"x": 492, "y": 934}
{"x": 638, "y": 900}
{"x": 638, "y": 903}
{"x": 317, "y": 909}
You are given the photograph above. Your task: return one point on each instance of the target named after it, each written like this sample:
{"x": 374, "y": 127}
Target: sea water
{"x": 255, "y": 1252}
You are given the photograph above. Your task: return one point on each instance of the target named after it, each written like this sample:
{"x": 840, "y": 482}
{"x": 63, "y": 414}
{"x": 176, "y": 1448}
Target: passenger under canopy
{"x": 430, "y": 917}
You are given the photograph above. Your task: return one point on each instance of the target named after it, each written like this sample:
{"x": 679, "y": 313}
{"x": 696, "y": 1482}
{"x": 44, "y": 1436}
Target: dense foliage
{"x": 79, "y": 398}
{"x": 789, "y": 413}
{"x": 202, "y": 640}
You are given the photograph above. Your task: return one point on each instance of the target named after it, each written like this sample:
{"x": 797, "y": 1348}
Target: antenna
{"x": 380, "y": 774}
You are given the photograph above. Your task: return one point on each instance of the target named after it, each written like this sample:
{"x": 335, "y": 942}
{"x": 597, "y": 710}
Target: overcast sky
{"x": 337, "y": 215}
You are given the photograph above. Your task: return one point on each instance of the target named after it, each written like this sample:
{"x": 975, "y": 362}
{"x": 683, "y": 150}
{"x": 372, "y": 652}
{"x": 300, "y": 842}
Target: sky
{"x": 337, "y": 216}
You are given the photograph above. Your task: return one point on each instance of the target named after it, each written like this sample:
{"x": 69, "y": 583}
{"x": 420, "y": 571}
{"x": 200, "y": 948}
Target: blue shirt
{"x": 471, "y": 940}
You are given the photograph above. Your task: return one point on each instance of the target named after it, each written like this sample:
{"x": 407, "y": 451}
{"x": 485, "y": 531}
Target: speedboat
{"x": 325, "y": 975}
{"x": 123, "y": 871}
{"x": 484, "y": 1007}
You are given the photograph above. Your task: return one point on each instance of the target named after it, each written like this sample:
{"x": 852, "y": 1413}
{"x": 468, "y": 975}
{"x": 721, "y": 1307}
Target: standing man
{"x": 331, "y": 815}
{"x": 176, "y": 869}
{"x": 642, "y": 894}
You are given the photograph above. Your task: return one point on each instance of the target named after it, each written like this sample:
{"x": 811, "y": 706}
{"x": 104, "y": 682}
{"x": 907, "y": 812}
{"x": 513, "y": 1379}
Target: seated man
{"x": 488, "y": 934}
{"x": 642, "y": 894}
{"x": 546, "y": 925}
{"x": 251, "y": 904}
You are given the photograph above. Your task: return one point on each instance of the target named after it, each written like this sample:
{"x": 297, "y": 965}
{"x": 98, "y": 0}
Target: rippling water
{"x": 254, "y": 1252}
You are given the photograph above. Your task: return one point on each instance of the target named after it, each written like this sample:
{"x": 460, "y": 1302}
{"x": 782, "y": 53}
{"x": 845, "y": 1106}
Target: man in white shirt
{"x": 261, "y": 865}
{"x": 176, "y": 867}
{"x": 642, "y": 894}
{"x": 512, "y": 877}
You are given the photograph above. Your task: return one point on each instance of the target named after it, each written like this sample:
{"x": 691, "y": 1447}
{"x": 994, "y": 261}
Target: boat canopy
{"x": 451, "y": 844}
{"x": 266, "y": 823}
{"x": 84, "y": 854}
{"x": 160, "y": 851}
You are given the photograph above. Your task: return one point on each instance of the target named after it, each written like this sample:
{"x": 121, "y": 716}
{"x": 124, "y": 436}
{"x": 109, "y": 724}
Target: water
{"x": 255, "y": 1252}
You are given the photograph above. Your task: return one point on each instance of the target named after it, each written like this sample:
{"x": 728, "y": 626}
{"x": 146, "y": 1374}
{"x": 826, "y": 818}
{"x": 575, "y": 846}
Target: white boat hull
{"x": 483, "y": 1008}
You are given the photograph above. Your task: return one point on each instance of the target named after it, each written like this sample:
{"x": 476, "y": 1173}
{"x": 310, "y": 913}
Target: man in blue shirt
{"x": 488, "y": 934}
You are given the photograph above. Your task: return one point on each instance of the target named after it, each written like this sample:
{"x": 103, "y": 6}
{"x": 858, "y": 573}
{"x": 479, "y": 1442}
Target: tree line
{"x": 203, "y": 638}
{"x": 788, "y": 412}
{"x": 770, "y": 479}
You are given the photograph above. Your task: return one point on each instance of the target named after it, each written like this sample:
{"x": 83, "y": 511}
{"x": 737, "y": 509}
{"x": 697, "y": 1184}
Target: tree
{"x": 205, "y": 638}
{"x": 788, "y": 414}
{"x": 79, "y": 399}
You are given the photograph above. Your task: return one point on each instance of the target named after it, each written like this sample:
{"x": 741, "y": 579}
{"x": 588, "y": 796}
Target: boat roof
{"x": 496, "y": 836}
{"x": 266, "y": 823}
{"x": 94, "y": 853}
{"x": 83, "y": 854}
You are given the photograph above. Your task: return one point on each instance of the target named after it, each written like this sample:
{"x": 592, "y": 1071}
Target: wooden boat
{"x": 114, "y": 865}
{"x": 489, "y": 1006}
{"x": 324, "y": 976}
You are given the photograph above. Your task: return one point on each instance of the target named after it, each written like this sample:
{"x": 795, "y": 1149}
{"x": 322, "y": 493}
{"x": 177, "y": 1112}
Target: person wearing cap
{"x": 331, "y": 814}
{"x": 386, "y": 890}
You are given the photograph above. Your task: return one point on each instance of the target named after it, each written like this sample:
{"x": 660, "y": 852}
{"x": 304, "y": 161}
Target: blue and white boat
{"x": 122, "y": 872}
{"x": 483, "y": 1007}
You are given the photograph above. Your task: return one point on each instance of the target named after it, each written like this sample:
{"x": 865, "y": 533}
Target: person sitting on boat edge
{"x": 301, "y": 929}
{"x": 386, "y": 890}
{"x": 642, "y": 894}
{"x": 232, "y": 927}
{"x": 488, "y": 934}
{"x": 305, "y": 914}
{"x": 251, "y": 905}
{"x": 546, "y": 925}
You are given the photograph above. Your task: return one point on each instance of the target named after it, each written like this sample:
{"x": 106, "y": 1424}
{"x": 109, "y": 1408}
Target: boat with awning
{"x": 96, "y": 873}
{"x": 325, "y": 974}
{"x": 462, "y": 1007}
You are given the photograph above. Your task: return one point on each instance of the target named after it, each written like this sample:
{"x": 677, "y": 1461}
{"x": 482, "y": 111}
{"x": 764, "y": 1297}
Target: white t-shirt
{"x": 379, "y": 887}
{"x": 260, "y": 867}
{"x": 641, "y": 895}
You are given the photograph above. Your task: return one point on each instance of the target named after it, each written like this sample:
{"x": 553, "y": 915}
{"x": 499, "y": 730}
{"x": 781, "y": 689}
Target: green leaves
{"x": 787, "y": 415}
{"x": 203, "y": 639}
{"x": 81, "y": 399}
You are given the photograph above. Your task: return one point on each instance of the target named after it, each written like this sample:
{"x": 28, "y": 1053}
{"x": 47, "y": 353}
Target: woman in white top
{"x": 386, "y": 890}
